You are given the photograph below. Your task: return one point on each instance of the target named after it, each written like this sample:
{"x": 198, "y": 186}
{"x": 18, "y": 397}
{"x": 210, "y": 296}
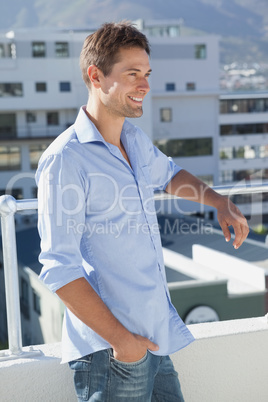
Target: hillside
{"x": 242, "y": 24}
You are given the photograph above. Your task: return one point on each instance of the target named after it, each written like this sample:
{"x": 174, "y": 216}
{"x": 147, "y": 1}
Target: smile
{"x": 135, "y": 99}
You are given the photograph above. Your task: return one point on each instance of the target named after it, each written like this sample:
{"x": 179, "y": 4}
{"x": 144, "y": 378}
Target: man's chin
{"x": 136, "y": 114}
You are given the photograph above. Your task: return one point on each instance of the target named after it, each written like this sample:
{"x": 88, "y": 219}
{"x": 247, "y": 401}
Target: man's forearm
{"x": 187, "y": 186}
{"x": 81, "y": 299}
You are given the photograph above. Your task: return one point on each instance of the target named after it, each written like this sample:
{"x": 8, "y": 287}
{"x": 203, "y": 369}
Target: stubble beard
{"x": 129, "y": 112}
{"x": 125, "y": 110}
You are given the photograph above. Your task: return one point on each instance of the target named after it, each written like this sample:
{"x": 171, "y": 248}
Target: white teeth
{"x": 136, "y": 99}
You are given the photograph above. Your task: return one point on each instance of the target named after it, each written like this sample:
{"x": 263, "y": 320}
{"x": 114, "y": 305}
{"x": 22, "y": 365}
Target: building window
{"x": 226, "y": 153}
{"x": 41, "y": 86}
{"x": 34, "y": 192}
{"x": 52, "y": 118}
{"x": 171, "y": 31}
{"x": 24, "y": 298}
{"x": 35, "y": 153}
{"x": 166, "y": 114}
{"x": 258, "y": 105}
{"x": 226, "y": 176}
{"x": 65, "y": 86}
{"x": 200, "y": 51}
{"x": 2, "y": 51}
{"x": 190, "y": 86}
{"x": 30, "y": 117}
{"x": 244, "y": 152}
{"x": 208, "y": 179}
{"x": 11, "y": 89}
{"x": 7, "y": 50}
{"x": 10, "y": 158}
{"x": 170, "y": 86}
{"x": 12, "y": 51}
{"x": 186, "y": 147}
{"x": 62, "y": 49}
{"x": 242, "y": 198}
{"x": 8, "y": 127}
{"x": 15, "y": 192}
{"x": 229, "y": 176}
{"x": 244, "y": 129}
{"x": 36, "y": 303}
{"x": 38, "y": 49}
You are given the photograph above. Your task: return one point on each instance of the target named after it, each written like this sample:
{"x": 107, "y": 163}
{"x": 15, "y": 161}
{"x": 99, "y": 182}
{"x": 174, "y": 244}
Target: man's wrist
{"x": 219, "y": 201}
{"x": 121, "y": 337}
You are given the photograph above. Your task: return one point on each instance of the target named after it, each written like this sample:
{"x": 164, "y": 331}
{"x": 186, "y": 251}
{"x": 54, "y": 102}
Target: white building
{"x": 41, "y": 90}
{"x": 243, "y": 147}
{"x": 185, "y": 102}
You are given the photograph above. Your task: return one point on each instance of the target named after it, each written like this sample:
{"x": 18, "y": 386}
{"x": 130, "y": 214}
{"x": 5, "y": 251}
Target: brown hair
{"x": 101, "y": 48}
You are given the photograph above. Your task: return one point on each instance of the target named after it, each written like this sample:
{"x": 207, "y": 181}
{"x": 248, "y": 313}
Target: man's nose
{"x": 144, "y": 85}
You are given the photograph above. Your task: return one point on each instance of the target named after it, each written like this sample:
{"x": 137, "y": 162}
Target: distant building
{"x": 243, "y": 148}
{"x": 185, "y": 103}
{"x": 40, "y": 91}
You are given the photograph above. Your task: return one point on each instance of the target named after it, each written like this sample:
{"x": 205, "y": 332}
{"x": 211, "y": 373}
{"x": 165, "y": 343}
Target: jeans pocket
{"x": 129, "y": 364}
{"x": 81, "y": 368}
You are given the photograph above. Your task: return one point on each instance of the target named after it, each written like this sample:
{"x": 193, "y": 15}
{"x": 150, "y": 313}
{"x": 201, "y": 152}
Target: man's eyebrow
{"x": 138, "y": 70}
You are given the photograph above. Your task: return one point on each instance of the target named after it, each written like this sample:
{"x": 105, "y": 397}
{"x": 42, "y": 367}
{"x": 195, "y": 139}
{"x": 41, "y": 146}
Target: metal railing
{"x": 8, "y": 208}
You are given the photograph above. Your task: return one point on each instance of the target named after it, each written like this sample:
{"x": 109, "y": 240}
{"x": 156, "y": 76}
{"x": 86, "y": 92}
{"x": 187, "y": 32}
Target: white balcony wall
{"x": 241, "y": 140}
{"x": 243, "y": 164}
{"x": 243, "y": 118}
{"x": 227, "y": 362}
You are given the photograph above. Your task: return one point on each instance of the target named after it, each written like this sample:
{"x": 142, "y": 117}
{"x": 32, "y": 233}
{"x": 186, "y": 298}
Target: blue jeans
{"x": 100, "y": 377}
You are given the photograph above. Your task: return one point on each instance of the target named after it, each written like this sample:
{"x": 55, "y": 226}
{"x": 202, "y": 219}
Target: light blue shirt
{"x": 97, "y": 220}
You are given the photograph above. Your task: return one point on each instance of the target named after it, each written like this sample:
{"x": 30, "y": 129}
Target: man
{"x": 101, "y": 248}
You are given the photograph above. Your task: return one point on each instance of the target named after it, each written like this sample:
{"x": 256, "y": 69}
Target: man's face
{"x": 123, "y": 90}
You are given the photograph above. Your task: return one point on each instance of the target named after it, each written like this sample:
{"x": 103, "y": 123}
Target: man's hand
{"x": 134, "y": 349}
{"x": 229, "y": 215}
{"x": 187, "y": 186}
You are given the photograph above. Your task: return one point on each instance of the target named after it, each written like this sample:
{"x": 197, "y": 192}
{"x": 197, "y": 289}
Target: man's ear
{"x": 94, "y": 75}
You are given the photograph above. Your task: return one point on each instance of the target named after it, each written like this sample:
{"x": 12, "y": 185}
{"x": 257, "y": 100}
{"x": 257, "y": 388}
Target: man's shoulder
{"x": 61, "y": 143}
{"x": 59, "y": 153}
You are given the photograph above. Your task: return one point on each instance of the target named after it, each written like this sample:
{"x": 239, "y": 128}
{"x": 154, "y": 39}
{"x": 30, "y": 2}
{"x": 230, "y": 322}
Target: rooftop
{"x": 227, "y": 362}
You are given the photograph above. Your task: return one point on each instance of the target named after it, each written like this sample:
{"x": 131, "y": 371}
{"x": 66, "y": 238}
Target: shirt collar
{"x": 86, "y": 131}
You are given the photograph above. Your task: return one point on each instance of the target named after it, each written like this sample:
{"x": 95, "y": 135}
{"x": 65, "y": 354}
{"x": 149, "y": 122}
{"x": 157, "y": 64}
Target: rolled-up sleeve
{"x": 61, "y": 211}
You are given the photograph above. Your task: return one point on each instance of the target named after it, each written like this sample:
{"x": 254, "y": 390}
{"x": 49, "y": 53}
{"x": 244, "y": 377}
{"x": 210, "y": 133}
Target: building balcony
{"x": 227, "y": 362}
{"x": 31, "y": 132}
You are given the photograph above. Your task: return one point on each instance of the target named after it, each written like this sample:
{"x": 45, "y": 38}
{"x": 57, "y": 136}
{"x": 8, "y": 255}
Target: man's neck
{"x": 109, "y": 127}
